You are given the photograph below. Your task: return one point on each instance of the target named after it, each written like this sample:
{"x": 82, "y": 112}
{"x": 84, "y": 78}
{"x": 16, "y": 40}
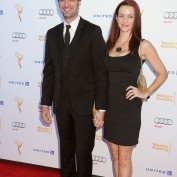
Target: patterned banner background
{"x": 24, "y": 137}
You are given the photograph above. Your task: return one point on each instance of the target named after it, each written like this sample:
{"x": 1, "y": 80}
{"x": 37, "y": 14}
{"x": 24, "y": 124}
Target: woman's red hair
{"x": 136, "y": 31}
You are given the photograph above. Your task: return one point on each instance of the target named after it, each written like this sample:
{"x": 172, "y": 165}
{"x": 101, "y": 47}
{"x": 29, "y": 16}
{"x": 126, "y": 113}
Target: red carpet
{"x": 15, "y": 169}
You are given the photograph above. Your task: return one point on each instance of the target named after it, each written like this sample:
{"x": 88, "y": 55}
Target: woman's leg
{"x": 114, "y": 151}
{"x": 124, "y": 162}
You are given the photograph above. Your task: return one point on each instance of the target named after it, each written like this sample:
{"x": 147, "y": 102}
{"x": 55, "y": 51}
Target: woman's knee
{"x": 114, "y": 152}
{"x": 124, "y": 160}
{"x": 125, "y": 157}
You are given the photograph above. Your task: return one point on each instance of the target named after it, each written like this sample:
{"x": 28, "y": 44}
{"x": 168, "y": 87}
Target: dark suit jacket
{"x": 86, "y": 73}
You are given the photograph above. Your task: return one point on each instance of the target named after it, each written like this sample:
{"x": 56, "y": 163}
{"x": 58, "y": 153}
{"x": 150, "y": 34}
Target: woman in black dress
{"x": 125, "y": 49}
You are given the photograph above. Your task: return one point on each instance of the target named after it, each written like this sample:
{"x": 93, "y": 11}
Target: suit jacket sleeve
{"x": 48, "y": 75}
{"x": 98, "y": 54}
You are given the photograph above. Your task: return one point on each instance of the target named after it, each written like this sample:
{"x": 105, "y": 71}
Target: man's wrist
{"x": 102, "y": 110}
{"x": 44, "y": 106}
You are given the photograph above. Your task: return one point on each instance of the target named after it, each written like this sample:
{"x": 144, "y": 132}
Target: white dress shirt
{"x": 73, "y": 28}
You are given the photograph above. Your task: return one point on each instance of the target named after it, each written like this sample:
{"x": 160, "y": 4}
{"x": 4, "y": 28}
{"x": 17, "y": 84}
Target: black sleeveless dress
{"x": 123, "y": 117}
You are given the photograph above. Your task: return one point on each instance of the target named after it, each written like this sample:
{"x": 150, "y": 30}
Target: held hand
{"x": 45, "y": 115}
{"x": 133, "y": 92}
{"x": 101, "y": 116}
{"x": 98, "y": 119}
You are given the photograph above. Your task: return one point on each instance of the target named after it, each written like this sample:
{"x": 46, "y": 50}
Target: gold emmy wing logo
{"x": 167, "y": 98}
{"x": 161, "y": 147}
{"x": 19, "y": 10}
{"x": 19, "y": 103}
{"x": 19, "y": 58}
{"x": 169, "y": 45}
{"x": 41, "y": 38}
{"x": 19, "y": 146}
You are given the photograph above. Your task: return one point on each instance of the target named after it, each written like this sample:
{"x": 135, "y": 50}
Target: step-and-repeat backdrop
{"x": 24, "y": 137}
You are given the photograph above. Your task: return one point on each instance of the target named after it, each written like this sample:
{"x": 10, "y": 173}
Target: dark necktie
{"x": 67, "y": 35}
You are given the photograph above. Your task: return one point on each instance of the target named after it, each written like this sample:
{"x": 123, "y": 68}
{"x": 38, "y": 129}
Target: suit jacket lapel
{"x": 77, "y": 36}
{"x": 59, "y": 46}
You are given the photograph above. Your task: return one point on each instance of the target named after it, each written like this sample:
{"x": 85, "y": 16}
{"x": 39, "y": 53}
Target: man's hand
{"x": 45, "y": 115}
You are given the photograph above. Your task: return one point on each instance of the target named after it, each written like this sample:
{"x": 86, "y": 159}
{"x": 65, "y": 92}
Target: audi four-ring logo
{"x": 170, "y": 15}
{"x": 18, "y": 35}
{"x": 46, "y": 12}
{"x": 18, "y": 124}
{"x": 163, "y": 121}
{"x": 98, "y": 159}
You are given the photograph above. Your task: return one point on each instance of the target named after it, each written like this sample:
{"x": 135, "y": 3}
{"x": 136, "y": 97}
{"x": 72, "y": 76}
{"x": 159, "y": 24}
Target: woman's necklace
{"x": 118, "y": 49}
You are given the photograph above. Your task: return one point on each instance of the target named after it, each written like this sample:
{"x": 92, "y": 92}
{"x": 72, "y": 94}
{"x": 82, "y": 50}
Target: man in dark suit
{"x": 74, "y": 81}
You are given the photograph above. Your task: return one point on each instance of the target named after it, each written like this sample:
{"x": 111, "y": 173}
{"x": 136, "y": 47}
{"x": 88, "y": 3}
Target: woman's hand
{"x": 98, "y": 119}
{"x": 133, "y": 92}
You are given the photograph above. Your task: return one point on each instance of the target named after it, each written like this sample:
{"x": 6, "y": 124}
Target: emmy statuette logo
{"x": 19, "y": 102}
{"x": 19, "y": 146}
{"x": 41, "y": 38}
{"x": 142, "y": 12}
{"x": 39, "y": 84}
{"x": 19, "y": 58}
{"x": 19, "y": 10}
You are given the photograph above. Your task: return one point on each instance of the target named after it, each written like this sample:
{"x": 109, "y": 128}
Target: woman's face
{"x": 125, "y": 18}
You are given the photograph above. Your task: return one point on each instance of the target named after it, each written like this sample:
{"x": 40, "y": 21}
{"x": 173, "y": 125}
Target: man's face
{"x": 69, "y": 9}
